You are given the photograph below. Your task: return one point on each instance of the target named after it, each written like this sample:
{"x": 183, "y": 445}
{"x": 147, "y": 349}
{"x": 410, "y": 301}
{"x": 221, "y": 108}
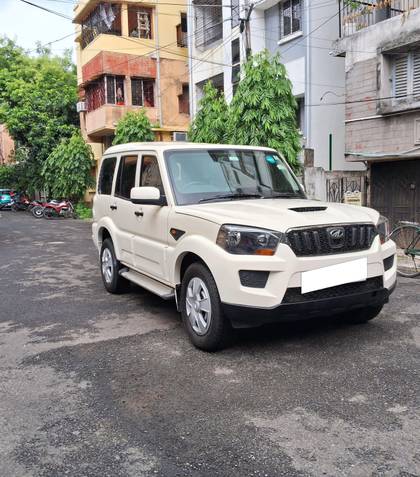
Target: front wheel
{"x": 201, "y": 310}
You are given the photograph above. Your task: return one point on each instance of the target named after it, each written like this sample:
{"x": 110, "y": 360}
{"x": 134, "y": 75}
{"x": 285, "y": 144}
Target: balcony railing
{"x": 355, "y": 15}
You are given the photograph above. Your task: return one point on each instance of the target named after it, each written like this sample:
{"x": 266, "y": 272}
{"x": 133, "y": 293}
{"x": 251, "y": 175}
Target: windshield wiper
{"x": 231, "y": 196}
{"x": 285, "y": 195}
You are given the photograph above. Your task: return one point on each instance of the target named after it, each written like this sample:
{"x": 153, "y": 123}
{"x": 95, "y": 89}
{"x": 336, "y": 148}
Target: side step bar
{"x": 165, "y": 292}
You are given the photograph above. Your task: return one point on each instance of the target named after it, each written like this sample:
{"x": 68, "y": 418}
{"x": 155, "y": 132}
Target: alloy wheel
{"x": 198, "y": 306}
{"x": 107, "y": 265}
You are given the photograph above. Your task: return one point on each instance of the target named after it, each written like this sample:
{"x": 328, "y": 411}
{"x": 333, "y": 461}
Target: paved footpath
{"x": 99, "y": 385}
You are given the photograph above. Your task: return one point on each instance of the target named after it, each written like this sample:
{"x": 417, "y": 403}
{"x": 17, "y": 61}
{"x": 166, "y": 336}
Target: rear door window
{"x": 126, "y": 178}
{"x": 106, "y": 175}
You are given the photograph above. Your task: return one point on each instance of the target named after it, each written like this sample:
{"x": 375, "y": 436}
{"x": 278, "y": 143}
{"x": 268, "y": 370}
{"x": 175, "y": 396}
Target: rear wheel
{"x": 37, "y": 211}
{"x": 363, "y": 315}
{"x": 202, "y": 315}
{"x": 407, "y": 240}
{"x": 110, "y": 268}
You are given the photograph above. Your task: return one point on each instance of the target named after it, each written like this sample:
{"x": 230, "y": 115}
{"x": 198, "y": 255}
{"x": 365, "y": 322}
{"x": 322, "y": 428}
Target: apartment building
{"x": 381, "y": 46}
{"x": 303, "y": 33}
{"x": 7, "y": 145}
{"x": 131, "y": 55}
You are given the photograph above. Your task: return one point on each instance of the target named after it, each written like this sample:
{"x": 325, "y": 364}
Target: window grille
{"x": 290, "y": 17}
{"x": 142, "y": 92}
{"x": 104, "y": 19}
{"x": 140, "y": 23}
{"x": 208, "y": 22}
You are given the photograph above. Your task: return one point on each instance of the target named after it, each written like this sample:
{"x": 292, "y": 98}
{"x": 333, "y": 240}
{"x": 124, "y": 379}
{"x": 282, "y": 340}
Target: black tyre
{"x": 363, "y": 315}
{"x": 201, "y": 311}
{"x": 38, "y": 211}
{"x": 110, "y": 267}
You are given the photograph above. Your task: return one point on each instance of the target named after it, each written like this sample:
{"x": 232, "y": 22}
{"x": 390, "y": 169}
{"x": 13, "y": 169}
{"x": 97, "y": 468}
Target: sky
{"x": 27, "y": 24}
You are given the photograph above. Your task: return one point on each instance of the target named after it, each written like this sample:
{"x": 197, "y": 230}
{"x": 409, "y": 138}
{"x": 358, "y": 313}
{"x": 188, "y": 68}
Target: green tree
{"x": 38, "y": 98}
{"x": 134, "y": 127}
{"x": 210, "y": 122}
{"x": 263, "y": 110}
{"x": 67, "y": 172}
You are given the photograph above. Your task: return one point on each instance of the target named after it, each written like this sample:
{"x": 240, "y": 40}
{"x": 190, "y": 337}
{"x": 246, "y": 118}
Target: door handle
{"x": 113, "y": 207}
{"x": 137, "y": 213}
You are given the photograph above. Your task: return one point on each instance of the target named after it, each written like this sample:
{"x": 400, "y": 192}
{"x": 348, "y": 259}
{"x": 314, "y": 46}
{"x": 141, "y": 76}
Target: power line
{"x": 62, "y": 15}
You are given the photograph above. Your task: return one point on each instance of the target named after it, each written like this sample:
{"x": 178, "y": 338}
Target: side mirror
{"x": 147, "y": 196}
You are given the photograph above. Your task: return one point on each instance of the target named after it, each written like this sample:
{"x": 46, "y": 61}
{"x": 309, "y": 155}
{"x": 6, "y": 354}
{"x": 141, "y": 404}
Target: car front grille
{"x": 295, "y": 295}
{"x": 331, "y": 239}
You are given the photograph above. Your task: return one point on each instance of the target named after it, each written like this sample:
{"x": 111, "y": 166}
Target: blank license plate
{"x": 348, "y": 272}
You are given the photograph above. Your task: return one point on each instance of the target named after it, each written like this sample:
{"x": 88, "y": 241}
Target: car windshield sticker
{"x": 270, "y": 159}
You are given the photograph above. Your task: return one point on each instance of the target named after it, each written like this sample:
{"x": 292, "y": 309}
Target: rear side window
{"x": 150, "y": 174}
{"x": 106, "y": 176}
{"x": 126, "y": 176}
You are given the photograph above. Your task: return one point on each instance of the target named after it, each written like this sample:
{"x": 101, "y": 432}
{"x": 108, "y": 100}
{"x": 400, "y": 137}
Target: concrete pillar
{"x": 124, "y": 19}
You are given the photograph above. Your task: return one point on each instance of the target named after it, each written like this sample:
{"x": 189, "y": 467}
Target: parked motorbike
{"x": 37, "y": 208}
{"x": 64, "y": 209}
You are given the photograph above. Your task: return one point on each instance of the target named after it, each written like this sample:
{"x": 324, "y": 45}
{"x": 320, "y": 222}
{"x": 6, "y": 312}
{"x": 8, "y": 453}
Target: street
{"x": 93, "y": 384}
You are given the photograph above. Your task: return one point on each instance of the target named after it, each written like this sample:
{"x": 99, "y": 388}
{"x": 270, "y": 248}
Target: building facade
{"x": 382, "y": 123}
{"x": 131, "y": 55}
{"x": 303, "y": 33}
{"x": 6, "y": 145}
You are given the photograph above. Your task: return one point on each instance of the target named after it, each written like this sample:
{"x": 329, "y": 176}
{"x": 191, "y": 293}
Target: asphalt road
{"x": 99, "y": 385}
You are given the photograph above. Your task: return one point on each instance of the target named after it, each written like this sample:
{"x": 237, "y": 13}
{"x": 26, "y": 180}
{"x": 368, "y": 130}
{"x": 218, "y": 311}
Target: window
{"x": 126, "y": 176}
{"x": 140, "y": 22}
{"x": 234, "y": 13}
{"x": 105, "y": 18}
{"x": 114, "y": 90}
{"x": 208, "y": 22}
{"x": 106, "y": 175}
{"x": 406, "y": 75}
{"x": 150, "y": 175}
{"x": 181, "y": 32}
{"x": 236, "y": 64}
{"x": 184, "y": 100}
{"x": 142, "y": 92}
{"x": 290, "y": 17}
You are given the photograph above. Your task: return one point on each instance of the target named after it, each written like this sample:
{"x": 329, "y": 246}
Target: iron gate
{"x": 395, "y": 189}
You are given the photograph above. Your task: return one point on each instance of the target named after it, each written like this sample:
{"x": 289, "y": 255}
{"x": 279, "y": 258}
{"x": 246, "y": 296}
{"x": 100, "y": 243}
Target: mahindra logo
{"x": 336, "y": 237}
{"x": 337, "y": 233}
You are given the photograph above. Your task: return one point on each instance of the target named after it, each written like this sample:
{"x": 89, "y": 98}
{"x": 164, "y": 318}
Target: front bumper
{"x": 374, "y": 295}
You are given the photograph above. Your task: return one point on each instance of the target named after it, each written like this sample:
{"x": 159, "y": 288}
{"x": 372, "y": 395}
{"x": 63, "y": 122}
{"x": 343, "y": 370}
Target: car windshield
{"x": 206, "y": 175}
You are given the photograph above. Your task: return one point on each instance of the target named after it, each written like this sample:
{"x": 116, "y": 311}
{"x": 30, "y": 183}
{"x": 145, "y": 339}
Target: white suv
{"x": 228, "y": 232}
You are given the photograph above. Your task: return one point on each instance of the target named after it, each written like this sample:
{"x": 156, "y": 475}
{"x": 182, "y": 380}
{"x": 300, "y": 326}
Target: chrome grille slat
{"x": 316, "y": 241}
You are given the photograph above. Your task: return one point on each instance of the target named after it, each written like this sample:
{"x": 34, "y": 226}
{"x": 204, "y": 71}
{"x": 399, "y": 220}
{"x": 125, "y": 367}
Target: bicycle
{"x": 406, "y": 236}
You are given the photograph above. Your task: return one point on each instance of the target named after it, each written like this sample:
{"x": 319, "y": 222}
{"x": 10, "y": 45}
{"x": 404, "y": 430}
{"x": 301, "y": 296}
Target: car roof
{"x": 162, "y": 146}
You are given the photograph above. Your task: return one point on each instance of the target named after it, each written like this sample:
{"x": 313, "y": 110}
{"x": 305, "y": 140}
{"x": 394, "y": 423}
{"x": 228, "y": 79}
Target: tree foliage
{"x": 38, "y": 98}
{"x": 67, "y": 170}
{"x": 263, "y": 110}
{"x": 210, "y": 122}
{"x": 134, "y": 127}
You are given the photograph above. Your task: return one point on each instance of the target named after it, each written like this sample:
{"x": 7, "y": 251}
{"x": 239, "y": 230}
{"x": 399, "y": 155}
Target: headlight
{"x": 242, "y": 240}
{"x": 383, "y": 228}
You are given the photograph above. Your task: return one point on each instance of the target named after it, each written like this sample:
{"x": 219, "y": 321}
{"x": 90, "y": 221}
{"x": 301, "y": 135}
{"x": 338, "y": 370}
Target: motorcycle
{"x": 64, "y": 209}
{"x": 19, "y": 202}
{"x": 37, "y": 208}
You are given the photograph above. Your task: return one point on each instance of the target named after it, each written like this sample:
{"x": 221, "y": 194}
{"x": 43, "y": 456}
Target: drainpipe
{"x": 190, "y": 40}
{"x": 308, "y": 74}
{"x": 158, "y": 90}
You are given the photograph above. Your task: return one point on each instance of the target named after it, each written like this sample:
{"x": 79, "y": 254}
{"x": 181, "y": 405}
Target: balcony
{"x": 102, "y": 121}
{"x": 355, "y": 15}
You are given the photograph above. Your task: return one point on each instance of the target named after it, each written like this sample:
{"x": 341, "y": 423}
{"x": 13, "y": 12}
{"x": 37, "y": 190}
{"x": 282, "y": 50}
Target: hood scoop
{"x": 308, "y": 209}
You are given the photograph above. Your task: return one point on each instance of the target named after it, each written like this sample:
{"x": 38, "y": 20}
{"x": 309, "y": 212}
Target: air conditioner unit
{"x": 179, "y": 136}
{"x": 81, "y": 106}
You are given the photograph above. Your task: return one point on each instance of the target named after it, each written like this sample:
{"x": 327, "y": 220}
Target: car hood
{"x": 277, "y": 214}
